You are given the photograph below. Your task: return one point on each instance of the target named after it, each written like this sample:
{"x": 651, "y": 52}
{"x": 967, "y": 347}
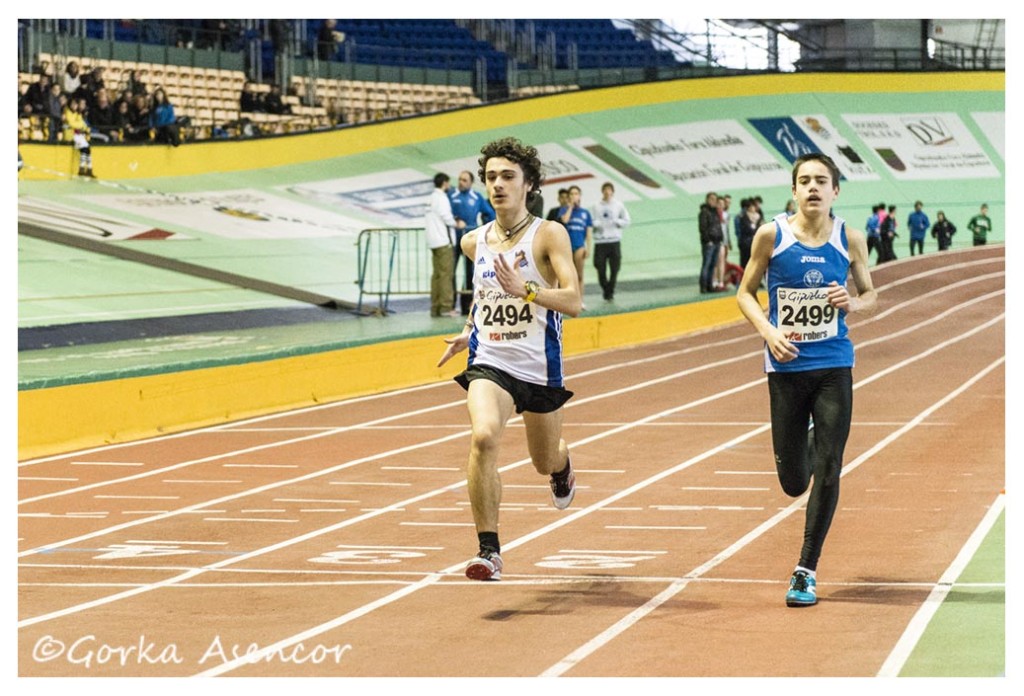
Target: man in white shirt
{"x": 439, "y": 224}
{"x": 610, "y": 218}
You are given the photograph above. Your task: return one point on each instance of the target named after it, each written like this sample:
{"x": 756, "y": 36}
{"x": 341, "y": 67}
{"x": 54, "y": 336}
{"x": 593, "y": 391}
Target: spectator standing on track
{"x": 709, "y": 225}
{"x": 980, "y": 225}
{"x": 525, "y": 281}
{"x": 871, "y": 231}
{"x": 808, "y": 355}
{"x": 887, "y": 236}
{"x": 439, "y": 224}
{"x": 610, "y": 218}
{"x": 943, "y": 231}
{"x": 747, "y": 224}
{"x": 580, "y": 225}
{"x": 918, "y": 224}
{"x": 471, "y": 210}
{"x": 726, "y": 244}
{"x": 563, "y": 201}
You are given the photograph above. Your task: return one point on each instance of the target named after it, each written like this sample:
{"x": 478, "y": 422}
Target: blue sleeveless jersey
{"x": 798, "y": 278}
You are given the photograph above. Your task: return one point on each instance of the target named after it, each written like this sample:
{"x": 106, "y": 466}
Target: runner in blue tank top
{"x": 808, "y": 355}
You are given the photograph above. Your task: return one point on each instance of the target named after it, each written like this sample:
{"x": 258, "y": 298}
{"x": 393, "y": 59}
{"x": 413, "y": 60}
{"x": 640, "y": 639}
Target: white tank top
{"x": 521, "y": 338}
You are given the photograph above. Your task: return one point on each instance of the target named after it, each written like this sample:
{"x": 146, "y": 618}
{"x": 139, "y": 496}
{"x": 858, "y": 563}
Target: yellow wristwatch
{"x": 532, "y": 288}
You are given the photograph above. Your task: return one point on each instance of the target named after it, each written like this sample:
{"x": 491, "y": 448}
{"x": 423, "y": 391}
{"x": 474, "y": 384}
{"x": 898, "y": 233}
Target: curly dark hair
{"x": 514, "y": 151}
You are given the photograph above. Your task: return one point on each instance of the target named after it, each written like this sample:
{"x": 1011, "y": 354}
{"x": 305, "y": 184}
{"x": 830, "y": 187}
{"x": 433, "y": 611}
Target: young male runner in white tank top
{"x": 524, "y": 281}
{"x": 808, "y": 355}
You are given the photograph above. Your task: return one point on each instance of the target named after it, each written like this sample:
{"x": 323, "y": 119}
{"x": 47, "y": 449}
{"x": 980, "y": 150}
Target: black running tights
{"x": 801, "y": 455}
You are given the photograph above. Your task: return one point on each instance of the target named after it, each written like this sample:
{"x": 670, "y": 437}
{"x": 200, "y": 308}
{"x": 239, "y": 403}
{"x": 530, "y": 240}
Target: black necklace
{"x": 515, "y": 229}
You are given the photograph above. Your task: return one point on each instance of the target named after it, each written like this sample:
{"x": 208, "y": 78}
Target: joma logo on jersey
{"x": 812, "y": 259}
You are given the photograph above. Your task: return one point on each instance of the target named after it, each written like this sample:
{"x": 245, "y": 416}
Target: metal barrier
{"x": 392, "y": 261}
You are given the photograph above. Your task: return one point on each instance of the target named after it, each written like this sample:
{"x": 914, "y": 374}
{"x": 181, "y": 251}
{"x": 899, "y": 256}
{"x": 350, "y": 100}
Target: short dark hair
{"x": 514, "y": 151}
{"x": 833, "y": 170}
{"x": 439, "y": 179}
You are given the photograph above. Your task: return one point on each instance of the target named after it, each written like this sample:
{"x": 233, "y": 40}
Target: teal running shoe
{"x": 802, "y": 590}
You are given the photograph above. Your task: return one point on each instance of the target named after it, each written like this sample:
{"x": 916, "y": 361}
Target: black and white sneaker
{"x": 485, "y": 566}
{"x": 563, "y": 488}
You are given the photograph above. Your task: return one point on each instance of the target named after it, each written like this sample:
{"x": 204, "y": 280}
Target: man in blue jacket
{"x": 471, "y": 209}
{"x": 918, "y": 224}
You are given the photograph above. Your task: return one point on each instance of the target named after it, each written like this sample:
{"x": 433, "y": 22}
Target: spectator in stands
{"x": 280, "y": 35}
{"x": 163, "y": 121}
{"x": 439, "y": 224}
{"x": 38, "y": 94}
{"x": 55, "y": 111}
{"x": 137, "y": 130}
{"x": 218, "y": 33}
{"x": 122, "y": 118}
{"x": 77, "y": 132}
{"x": 102, "y": 118}
{"x": 136, "y": 85}
{"x": 274, "y": 103}
{"x": 24, "y": 104}
{"x": 72, "y": 79}
{"x": 327, "y": 40}
{"x": 249, "y": 101}
{"x": 92, "y": 83}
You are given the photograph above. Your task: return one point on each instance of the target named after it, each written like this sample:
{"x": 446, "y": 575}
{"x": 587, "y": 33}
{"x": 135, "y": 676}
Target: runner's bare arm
{"x": 760, "y": 254}
{"x": 866, "y": 300}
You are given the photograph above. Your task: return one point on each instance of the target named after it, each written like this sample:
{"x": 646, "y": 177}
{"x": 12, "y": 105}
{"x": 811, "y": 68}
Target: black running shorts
{"x": 535, "y": 398}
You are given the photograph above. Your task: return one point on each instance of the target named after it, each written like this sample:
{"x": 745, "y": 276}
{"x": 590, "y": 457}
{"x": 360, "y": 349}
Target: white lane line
{"x": 654, "y": 527}
{"x": 45, "y": 478}
{"x": 746, "y": 473}
{"x": 107, "y": 464}
{"x": 101, "y": 496}
{"x": 174, "y": 541}
{"x": 260, "y": 466}
{"x": 723, "y": 488}
{"x": 701, "y": 508}
{"x": 420, "y": 468}
{"x": 66, "y": 515}
{"x": 367, "y": 483}
{"x": 915, "y": 629}
{"x": 201, "y": 481}
{"x": 677, "y": 586}
{"x": 343, "y": 501}
{"x": 247, "y": 519}
{"x": 436, "y": 524}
